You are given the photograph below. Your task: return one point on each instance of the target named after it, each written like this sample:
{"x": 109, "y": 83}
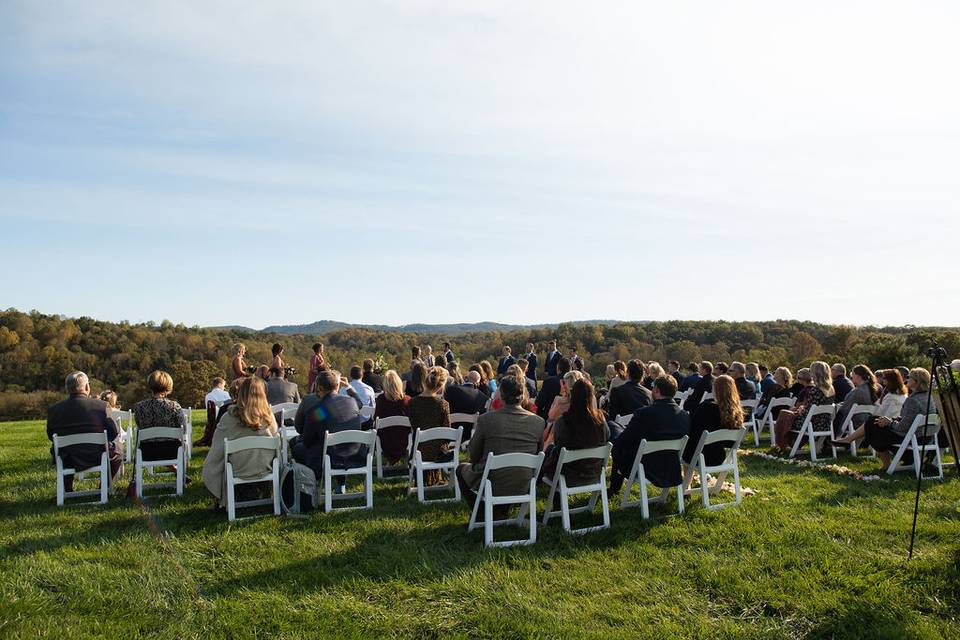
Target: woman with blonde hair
{"x": 654, "y": 371}
{"x": 249, "y": 416}
{"x": 110, "y": 397}
{"x": 782, "y": 381}
{"x": 752, "y": 374}
{"x": 391, "y": 403}
{"x": 819, "y": 393}
{"x": 238, "y": 366}
{"x": 429, "y": 410}
{"x": 723, "y": 411}
{"x": 526, "y": 402}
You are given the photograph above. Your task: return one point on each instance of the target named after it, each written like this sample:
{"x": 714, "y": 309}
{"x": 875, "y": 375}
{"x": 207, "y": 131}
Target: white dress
{"x": 891, "y": 404}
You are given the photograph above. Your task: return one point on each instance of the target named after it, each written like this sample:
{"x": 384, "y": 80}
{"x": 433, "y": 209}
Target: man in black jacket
{"x": 466, "y": 398}
{"x": 842, "y": 385}
{"x": 82, "y": 414}
{"x": 371, "y": 379}
{"x": 531, "y": 383}
{"x": 550, "y": 389}
{"x": 531, "y": 359}
{"x": 663, "y": 420}
{"x": 631, "y": 395}
{"x": 506, "y": 360}
{"x": 704, "y": 385}
{"x": 553, "y": 359}
{"x": 746, "y": 389}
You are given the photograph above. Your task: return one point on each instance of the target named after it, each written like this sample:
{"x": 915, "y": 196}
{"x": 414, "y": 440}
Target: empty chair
{"x": 61, "y": 442}
{"x": 699, "y": 465}
{"x": 364, "y": 438}
{"x": 390, "y": 433}
{"x": 179, "y": 459}
{"x": 418, "y": 465}
{"x": 749, "y": 408}
{"x": 527, "y": 501}
{"x": 462, "y": 419}
{"x": 707, "y": 396}
{"x": 638, "y": 475}
{"x": 624, "y": 420}
{"x": 847, "y": 427}
{"x": 809, "y": 431}
{"x": 245, "y": 444}
{"x": 558, "y": 484}
{"x": 767, "y": 420}
{"x": 922, "y": 424}
{"x": 367, "y": 411}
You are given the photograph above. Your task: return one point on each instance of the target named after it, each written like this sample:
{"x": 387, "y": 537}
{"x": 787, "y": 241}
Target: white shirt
{"x": 892, "y": 404}
{"x": 218, "y": 395}
{"x": 365, "y": 391}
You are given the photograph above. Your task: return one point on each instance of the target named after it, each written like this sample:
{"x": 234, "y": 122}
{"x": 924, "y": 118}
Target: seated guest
{"x": 582, "y": 426}
{"x": 531, "y": 383}
{"x": 414, "y": 385}
{"x": 617, "y": 373}
{"x": 885, "y": 434}
{"x": 466, "y": 398}
{"x": 693, "y": 377}
{"x": 802, "y": 385}
{"x": 819, "y": 393}
{"x": 456, "y": 376}
{"x": 510, "y": 430}
{"x": 577, "y": 364}
{"x": 373, "y": 380}
{"x": 721, "y": 368}
{"x": 528, "y": 404}
{"x": 630, "y": 396}
{"x": 782, "y": 381}
{"x": 662, "y": 420}
{"x": 703, "y": 386}
{"x": 110, "y": 397}
{"x": 415, "y": 352}
{"x": 842, "y": 385}
{"x": 482, "y": 385}
{"x": 327, "y": 410}
{"x": 234, "y": 390}
{"x": 562, "y": 402}
{"x": 263, "y": 372}
{"x": 279, "y": 390}
{"x": 865, "y": 391}
{"x": 904, "y": 373}
{"x": 212, "y": 401}
{"x": 550, "y": 388}
{"x": 440, "y": 361}
{"x": 391, "y": 403}
{"x": 82, "y": 414}
{"x": 746, "y": 389}
{"x": 766, "y": 379}
{"x": 429, "y": 410}
{"x": 720, "y": 412}
{"x": 317, "y": 364}
{"x": 653, "y": 371}
{"x": 249, "y": 416}
{"x": 894, "y": 394}
{"x": 491, "y": 377}
{"x": 365, "y": 391}
{"x": 159, "y": 411}
{"x": 673, "y": 368}
{"x": 753, "y": 377}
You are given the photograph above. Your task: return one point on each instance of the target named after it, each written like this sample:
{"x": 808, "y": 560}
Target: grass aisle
{"x": 813, "y": 554}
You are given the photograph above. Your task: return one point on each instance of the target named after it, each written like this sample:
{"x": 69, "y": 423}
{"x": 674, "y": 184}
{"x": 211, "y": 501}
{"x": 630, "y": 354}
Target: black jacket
{"x": 746, "y": 389}
{"x": 532, "y": 368}
{"x": 707, "y": 418}
{"x": 550, "y": 366}
{"x": 465, "y": 398}
{"x": 80, "y": 414}
{"x": 374, "y": 380}
{"x": 705, "y": 385}
{"x": 505, "y": 363}
{"x": 549, "y": 390}
{"x": 662, "y": 420}
{"x": 627, "y": 399}
{"x": 841, "y": 387}
{"x": 331, "y": 413}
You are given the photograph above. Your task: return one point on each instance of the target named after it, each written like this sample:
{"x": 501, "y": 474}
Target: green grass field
{"x": 812, "y": 554}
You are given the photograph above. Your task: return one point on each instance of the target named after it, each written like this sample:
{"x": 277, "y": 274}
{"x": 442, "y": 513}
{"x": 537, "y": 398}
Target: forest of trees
{"x": 37, "y": 351}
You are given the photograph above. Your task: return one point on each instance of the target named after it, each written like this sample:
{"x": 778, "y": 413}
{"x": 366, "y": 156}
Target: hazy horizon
{"x": 416, "y": 162}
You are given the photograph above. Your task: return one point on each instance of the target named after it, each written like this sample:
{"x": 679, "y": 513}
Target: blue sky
{"x": 381, "y": 162}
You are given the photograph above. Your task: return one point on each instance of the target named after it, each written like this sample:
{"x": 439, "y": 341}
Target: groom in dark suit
{"x": 505, "y": 361}
{"x": 531, "y": 359}
{"x": 553, "y": 359}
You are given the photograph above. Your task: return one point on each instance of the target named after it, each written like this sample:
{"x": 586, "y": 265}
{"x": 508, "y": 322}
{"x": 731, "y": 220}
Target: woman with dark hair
{"x": 582, "y": 426}
{"x": 414, "y": 386}
{"x": 491, "y": 377}
{"x": 483, "y": 386}
{"x": 316, "y": 366}
{"x": 894, "y": 394}
{"x": 865, "y": 391}
{"x": 277, "y": 362}
{"x": 723, "y": 411}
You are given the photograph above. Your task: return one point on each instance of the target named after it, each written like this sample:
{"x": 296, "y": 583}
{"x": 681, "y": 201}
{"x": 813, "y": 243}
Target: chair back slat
{"x": 593, "y": 453}
{"x": 732, "y": 436}
{"x": 505, "y": 460}
{"x": 624, "y": 419}
{"x": 464, "y": 418}
{"x": 159, "y": 433}
{"x": 79, "y": 438}
{"x": 250, "y": 442}
{"x": 350, "y": 436}
{"x": 655, "y": 446}
{"x": 438, "y": 433}
{"x": 393, "y": 421}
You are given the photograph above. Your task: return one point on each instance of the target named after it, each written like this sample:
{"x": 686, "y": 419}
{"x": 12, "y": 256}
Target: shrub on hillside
{"x": 27, "y": 406}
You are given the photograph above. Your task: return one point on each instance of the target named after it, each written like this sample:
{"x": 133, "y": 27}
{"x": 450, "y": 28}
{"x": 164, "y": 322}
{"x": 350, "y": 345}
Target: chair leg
{"x": 533, "y": 515}
{"x": 327, "y": 490}
{"x": 680, "y": 503}
{"x": 231, "y": 497}
{"x": 369, "y": 486}
{"x": 487, "y": 520}
{"x": 104, "y": 478}
{"x": 61, "y": 492}
{"x": 547, "y": 511}
{"x": 704, "y": 491}
{"x": 644, "y": 505}
{"x": 604, "y": 503}
{"x": 564, "y": 505}
{"x": 276, "y": 488}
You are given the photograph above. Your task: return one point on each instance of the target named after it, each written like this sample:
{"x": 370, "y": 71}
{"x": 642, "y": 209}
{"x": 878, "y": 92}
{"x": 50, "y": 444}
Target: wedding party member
{"x": 506, "y": 359}
{"x": 448, "y": 353}
{"x": 250, "y": 415}
{"x": 277, "y": 351}
{"x": 723, "y": 411}
{"x": 819, "y": 393}
{"x": 237, "y": 365}
{"x": 317, "y": 364}
{"x": 553, "y": 359}
{"x": 428, "y": 358}
{"x": 426, "y": 411}
{"x": 531, "y": 359}
{"x": 80, "y": 413}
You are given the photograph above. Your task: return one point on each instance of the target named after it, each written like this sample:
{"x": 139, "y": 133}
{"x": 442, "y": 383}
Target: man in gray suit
{"x": 508, "y": 430}
{"x": 280, "y": 390}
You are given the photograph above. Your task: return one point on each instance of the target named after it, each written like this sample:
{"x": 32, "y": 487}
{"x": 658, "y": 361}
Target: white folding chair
{"x": 465, "y": 418}
{"x": 286, "y": 433}
{"x": 682, "y": 396}
{"x": 367, "y": 411}
{"x": 187, "y": 432}
{"x": 246, "y": 444}
{"x": 624, "y": 420}
{"x": 60, "y": 442}
{"x": 352, "y": 436}
{"x": 808, "y": 431}
{"x": 125, "y": 433}
{"x": 527, "y": 501}
{"x": 910, "y": 440}
{"x": 595, "y": 489}
{"x": 285, "y": 406}
{"x": 638, "y": 475}
{"x": 159, "y": 433}
{"x": 418, "y": 465}
{"x": 699, "y": 464}
{"x": 707, "y": 396}
{"x": 382, "y": 424}
{"x": 847, "y": 426}
{"x": 767, "y": 420}
{"x": 749, "y": 409}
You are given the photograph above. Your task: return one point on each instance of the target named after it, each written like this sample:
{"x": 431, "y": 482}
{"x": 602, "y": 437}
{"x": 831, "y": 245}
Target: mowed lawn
{"x": 812, "y": 554}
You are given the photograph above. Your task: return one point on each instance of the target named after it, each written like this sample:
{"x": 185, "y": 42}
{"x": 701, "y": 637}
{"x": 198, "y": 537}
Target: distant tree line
{"x": 37, "y": 351}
